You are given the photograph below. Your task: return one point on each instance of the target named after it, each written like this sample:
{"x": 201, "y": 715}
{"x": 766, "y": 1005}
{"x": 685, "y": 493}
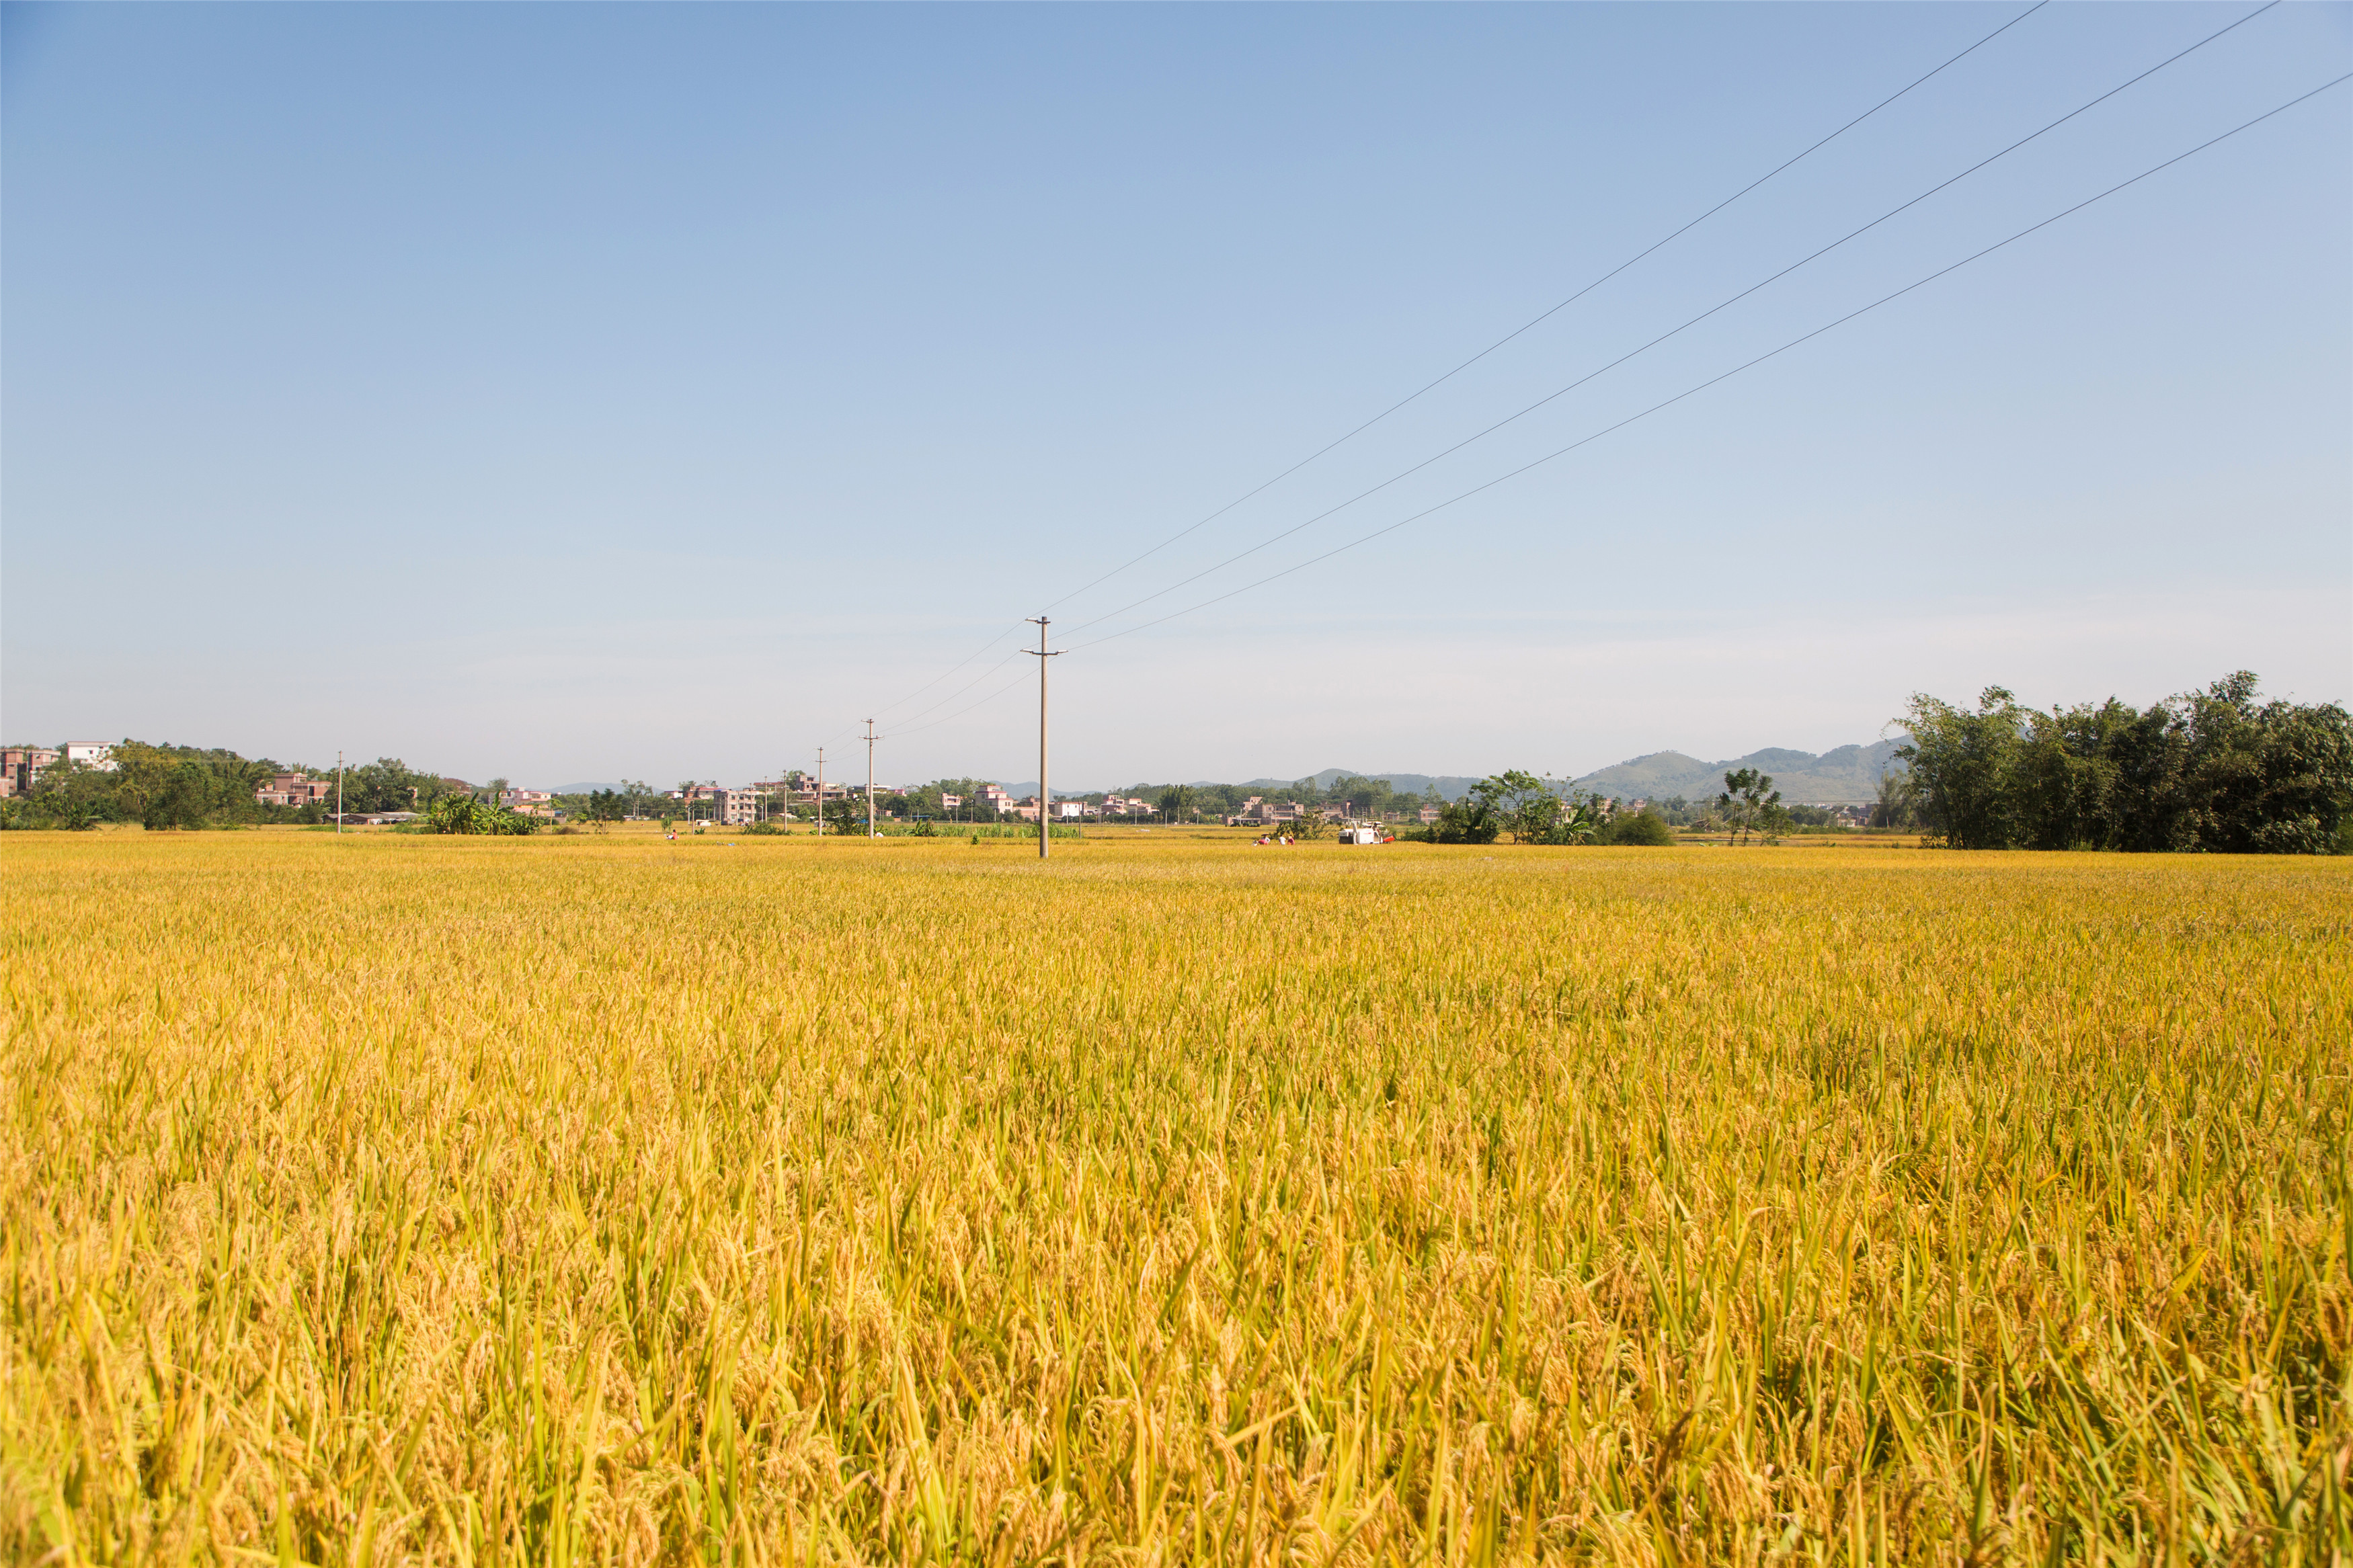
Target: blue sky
{"x": 579, "y": 392}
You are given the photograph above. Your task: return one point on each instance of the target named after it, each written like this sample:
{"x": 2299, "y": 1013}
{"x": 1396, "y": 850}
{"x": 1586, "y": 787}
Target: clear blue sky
{"x": 578, "y": 392}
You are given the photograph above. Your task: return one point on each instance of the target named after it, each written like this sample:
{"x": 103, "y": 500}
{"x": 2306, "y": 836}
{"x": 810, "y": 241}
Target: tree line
{"x": 2219, "y": 770}
{"x": 202, "y": 786}
{"x": 1536, "y": 810}
{"x": 1354, "y": 793}
{"x": 168, "y": 787}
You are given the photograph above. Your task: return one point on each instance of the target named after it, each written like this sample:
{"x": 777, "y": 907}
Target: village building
{"x": 294, "y": 789}
{"x": 20, "y": 767}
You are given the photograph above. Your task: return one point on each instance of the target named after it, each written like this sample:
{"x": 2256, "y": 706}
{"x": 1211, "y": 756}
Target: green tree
{"x": 146, "y": 781}
{"x": 1474, "y": 819}
{"x": 1748, "y": 796}
{"x": 1645, "y": 827}
{"x": 1531, "y": 808}
{"x": 2257, "y": 778}
{"x": 455, "y": 813}
{"x": 1892, "y": 805}
{"x": 2217, "y": 770}
{"x": 1175, "y": 802}
{"x": 1580, "y": 822}
{"x": 1966, "y": 766}
{"x": 51, "y": 806}
{"x": 1367, "y": 798}
{"x": 170, "y": 786}
{"x": 388, "y": 784}
{"x": 2068, "y": 774}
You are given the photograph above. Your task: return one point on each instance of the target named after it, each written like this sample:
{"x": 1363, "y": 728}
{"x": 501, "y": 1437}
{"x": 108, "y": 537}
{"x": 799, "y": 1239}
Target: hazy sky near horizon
{"x": 573, "y": 392}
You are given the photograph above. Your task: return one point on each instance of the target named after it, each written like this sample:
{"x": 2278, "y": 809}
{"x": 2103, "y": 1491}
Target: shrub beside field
{"x": 470, "y": 1200}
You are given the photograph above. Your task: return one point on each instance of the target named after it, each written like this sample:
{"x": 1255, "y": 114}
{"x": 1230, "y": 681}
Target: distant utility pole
{"x": 820, "y": 792}
{"x": 338, "y": 792}
{"x": 1045, "y": 797}
{"x": 870, "y": 778}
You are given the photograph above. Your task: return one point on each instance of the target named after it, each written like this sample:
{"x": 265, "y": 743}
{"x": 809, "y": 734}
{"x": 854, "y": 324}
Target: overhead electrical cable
{"x": 1726, "y": 375}
{"x": 944, "y": 675}
{"x": 1561, "y": 392}
{"x": 910, "y": 725}
{"x": 992, "y": 642}
{"x": 1020, "y": 679}
{"x": 1508, "y": 337}
{"x": 1546, "y": 315}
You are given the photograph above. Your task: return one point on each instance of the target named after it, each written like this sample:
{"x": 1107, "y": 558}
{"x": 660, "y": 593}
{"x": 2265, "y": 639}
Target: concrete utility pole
{"x": 338, "y": 792}
{"x": 820, "y": 792}
{"x": 870, "y": 778}
{"x": 1045, "y": 797}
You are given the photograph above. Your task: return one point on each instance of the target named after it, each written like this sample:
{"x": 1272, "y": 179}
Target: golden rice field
{"x": 608, "y": 1200}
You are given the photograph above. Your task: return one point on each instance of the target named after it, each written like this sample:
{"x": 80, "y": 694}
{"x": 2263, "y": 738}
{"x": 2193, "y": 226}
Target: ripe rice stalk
{"x": 621, "y": 1200}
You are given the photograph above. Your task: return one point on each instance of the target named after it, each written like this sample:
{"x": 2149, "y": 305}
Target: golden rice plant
{"x": 612, "y": 1200}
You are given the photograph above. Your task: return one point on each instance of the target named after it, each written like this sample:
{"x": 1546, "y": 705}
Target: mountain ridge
{"x": 1842, "y": 775}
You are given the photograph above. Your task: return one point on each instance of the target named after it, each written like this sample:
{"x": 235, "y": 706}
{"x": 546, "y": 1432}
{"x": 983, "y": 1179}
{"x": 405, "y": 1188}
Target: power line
{"x": 910, "y": 728}
{"x": 1546, "y": 315}
{"x": 946, "y": 673}
{"x": 1728, "y": 374}
{"x": 968, "y": 708}
{"x": 1507, "y": 338}
{"x": 1724, "y": 304}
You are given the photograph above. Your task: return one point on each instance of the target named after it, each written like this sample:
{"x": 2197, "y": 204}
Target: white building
{"x": 90, "y": 754}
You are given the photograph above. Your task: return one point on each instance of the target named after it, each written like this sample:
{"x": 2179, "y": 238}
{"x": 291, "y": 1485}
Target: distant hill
{"x": 1450, "y": 785}
{"x": 1847, "y": 774}
{"x": 583, "y": 788}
